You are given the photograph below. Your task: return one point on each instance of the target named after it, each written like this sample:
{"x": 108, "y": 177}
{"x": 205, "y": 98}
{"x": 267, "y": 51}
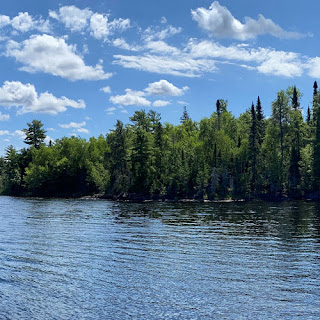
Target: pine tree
{"x": 34, "y": 134}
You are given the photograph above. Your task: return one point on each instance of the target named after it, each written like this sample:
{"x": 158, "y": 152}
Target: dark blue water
{"x": 85, "y": 259}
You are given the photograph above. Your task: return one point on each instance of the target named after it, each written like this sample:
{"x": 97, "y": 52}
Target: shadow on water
{"x": 285, "y": 220}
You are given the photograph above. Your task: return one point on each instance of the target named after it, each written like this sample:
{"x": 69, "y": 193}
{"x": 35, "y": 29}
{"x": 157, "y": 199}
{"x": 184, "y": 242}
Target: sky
{"x": 78, "y": 66}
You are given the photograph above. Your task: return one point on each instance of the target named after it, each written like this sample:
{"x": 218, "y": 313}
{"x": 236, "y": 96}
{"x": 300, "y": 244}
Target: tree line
{"x": 219, "y": 157}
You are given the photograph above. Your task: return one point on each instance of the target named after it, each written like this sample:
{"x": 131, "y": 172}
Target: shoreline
{"x": 148, "y": 199}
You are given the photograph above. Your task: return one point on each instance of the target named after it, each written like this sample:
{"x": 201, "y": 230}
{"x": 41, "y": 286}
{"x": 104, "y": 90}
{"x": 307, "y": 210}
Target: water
{"x": 85, "y": 259}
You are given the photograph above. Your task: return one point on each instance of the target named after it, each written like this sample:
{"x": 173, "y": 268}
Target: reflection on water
{"x": 83, "y": 259}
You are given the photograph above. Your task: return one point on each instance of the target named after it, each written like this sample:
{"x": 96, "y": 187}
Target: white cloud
{"x": 4, "y": 132}
{"x": 111, "y": 109}
{"x": 219, "y": 21}
{"x": 122, "y": 44}
{"x": 73, "y": 18}
{"x": 184, "y": 103}
{"x": 20, "y": 134}
{"x": 4, "y": 20}
{"x": 44, "y": 53}
{"x": 155, "y": 33}
{"x": 279, "y": 63}
{"x": 73, "y": 125}
{"x": 80, "y": 20}
{"x": 4, "y": 117}
{"x": 48, "y": 139}
{"x": 265, "y": 60}
{"x": 160, "y": 103}
{"x": 99, "y": 26}
{"x": 83, "y": 130}
{"x": 106, "y": 89}
{"x": 184, "y": 65}
{"x": 314, "y": 67}
{"x": 163, "y": 20}
{"x": 23, "y": 22}
{"x": 26, "y": 99}
{"x": 164, "y": 88}
{"x": 131, "y": 98}
{"x": 161, "y": 47}
{"x": 119, "y": 24}
{"x": 124, "y": 111}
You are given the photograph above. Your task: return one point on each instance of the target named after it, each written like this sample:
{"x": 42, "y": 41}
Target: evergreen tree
{"x": 253, "y": 148}
{"x": 308, "y": 116}
{"x": 315, "y": 88}
{"x": 218, "y": 110}
{"x": 118, "y": 157}
{"x": 185, "y": 115}
{"x": 34, "y": 134}
{"x": 294, "y": 169}
{"x": 260, "y": 122}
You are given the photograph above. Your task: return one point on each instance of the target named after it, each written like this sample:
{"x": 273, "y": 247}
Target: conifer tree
{"x": 185, "y": 115}
{"x": 253, "y": 147}
{"x": 260, "y": 122}
{"x": 218, "y": 110}
{"x": 34, "y": 134}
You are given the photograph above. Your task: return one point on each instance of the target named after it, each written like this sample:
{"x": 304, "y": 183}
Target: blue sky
{"x": 78, "y": 66}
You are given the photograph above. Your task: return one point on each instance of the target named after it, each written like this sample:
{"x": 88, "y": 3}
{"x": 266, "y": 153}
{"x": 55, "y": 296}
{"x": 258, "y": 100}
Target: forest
{"x": 220, "y": 157}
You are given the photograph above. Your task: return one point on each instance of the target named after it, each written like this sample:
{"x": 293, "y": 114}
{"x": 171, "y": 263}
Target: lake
{"x": 86, "y": 259}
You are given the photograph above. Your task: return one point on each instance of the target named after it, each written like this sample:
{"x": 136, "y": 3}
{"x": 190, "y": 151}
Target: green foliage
{"x": 219, "y": 157}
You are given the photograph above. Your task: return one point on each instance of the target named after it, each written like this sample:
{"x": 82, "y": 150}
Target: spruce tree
{"x": 185, "y": 115}
{"x": 253, "y": 148}
{"x": 218, "y": 110}
{"x": 260, "y": 122}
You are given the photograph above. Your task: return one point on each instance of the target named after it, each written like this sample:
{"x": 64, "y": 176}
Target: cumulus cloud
{"x": 23, "y": 22}
{"x": 73, "y": 18}
{"x": 26, "y": 99}
{"x": 4, "y": 132}
{"x": 314, "y": 67}
{"x": 4, "y": 20}
{"x": 160, "y": 103}
{"x": 99, "y": 25}
{"x": 4, "y": 117}
{"x": 164, "y": 88}
{"x": 219, "y": 22}
{"x": 131, "y": 98}
{"x": 106, "y": 89}
{"x": 80, "y": 20}
{"x": 45, "y": 53}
